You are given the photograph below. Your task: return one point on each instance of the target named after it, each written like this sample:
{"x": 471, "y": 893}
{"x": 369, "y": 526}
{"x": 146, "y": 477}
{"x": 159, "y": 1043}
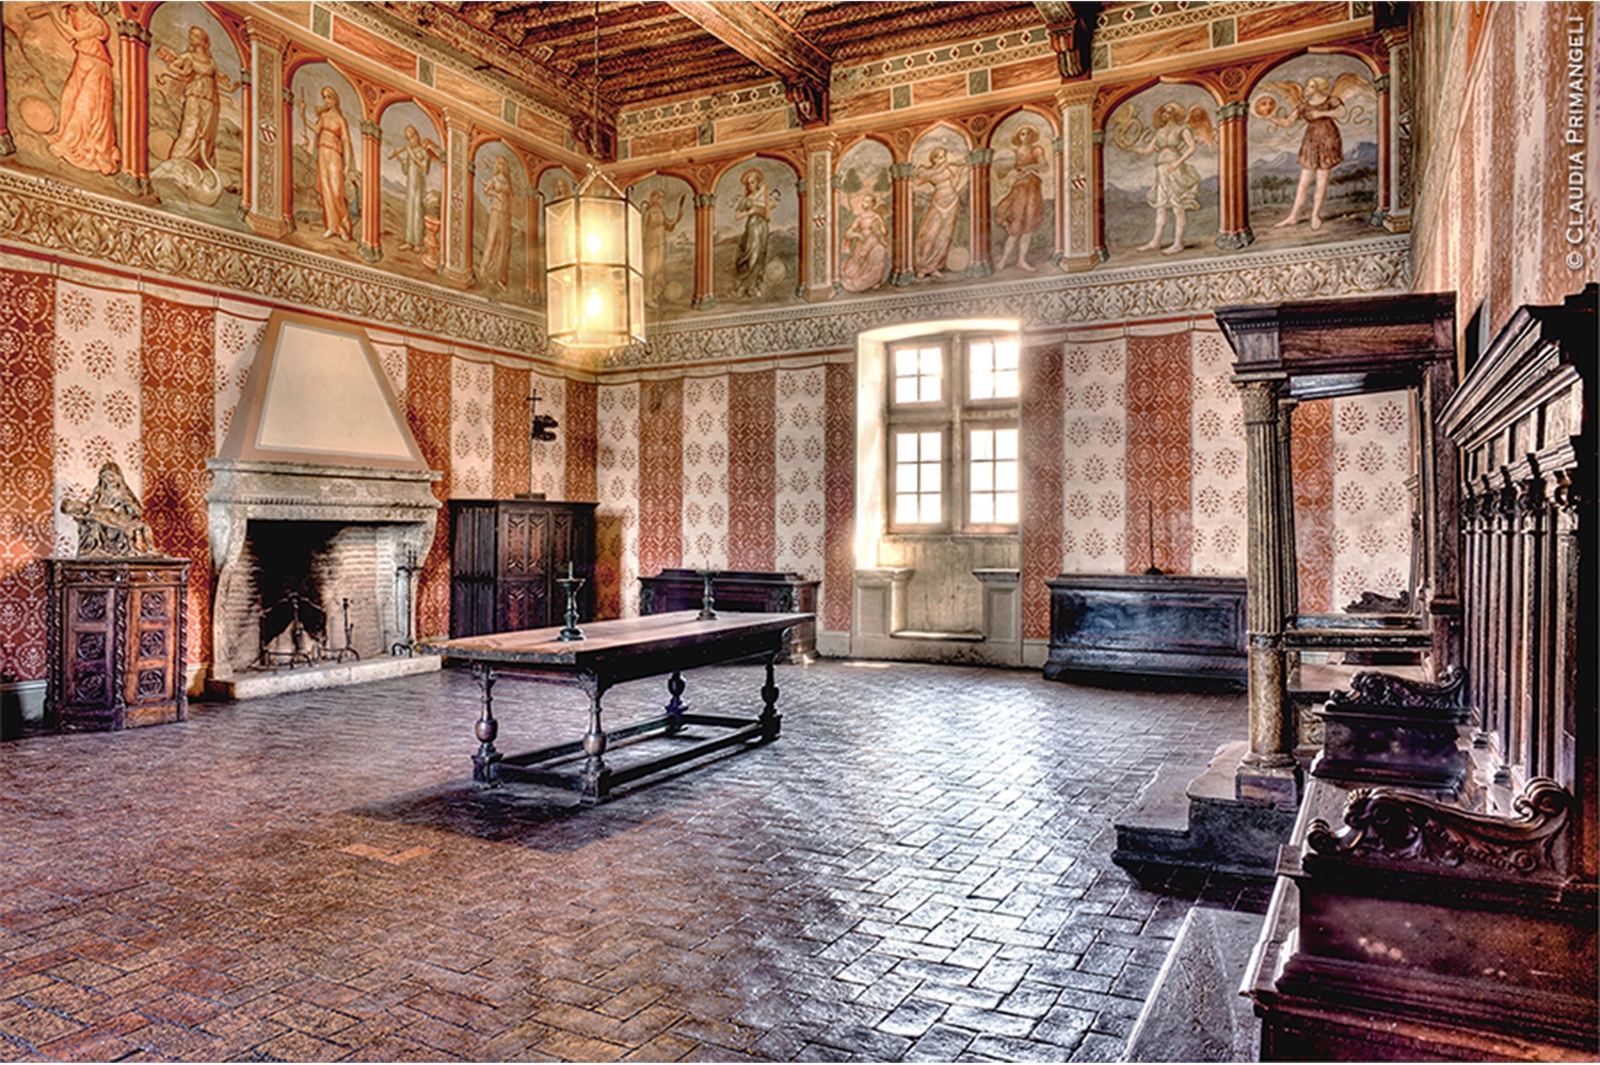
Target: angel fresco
{"x": 1322, "y": 107}
{"x": 1176, "y": 135}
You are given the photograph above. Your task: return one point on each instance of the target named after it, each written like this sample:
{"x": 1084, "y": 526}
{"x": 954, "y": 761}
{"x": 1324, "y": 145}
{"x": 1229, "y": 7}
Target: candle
{"x": 569, "y": 571}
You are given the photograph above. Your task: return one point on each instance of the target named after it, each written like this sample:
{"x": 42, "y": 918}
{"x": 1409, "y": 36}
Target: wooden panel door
{"x": 524, "y": 598}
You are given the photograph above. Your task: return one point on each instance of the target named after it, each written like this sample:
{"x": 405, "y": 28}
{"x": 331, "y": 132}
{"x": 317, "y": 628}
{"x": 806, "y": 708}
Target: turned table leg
{"x": 675, "y": 705}
{"x": 486, "y": 763}
{"x": 771, "y": 721}
{"x": 596, "y": 778}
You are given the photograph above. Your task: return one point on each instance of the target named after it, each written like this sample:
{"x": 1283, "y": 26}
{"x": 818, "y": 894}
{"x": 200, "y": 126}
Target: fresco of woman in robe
{"x": 495, "y": 267}
{"x": 1175, "y": 183}
{"x": 754, "y": 209}
{"x": 1020, "y": 211}
{"x": 940, "y": 180}
{"x": 866, "y": 247}
{"x": 416, "y": 158}
{"x": 191, "y": 161}
{"x": 335, "y": 156}
{"x": 85, "y": 136}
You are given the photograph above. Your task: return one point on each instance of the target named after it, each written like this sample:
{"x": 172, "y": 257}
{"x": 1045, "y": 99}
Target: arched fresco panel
{"x": 941, "y": 242}
{"x": 865, "y": 203}
{"x": 196, "y": 114}
{"x": 63, "y": 101}
{"x": 499, "y": 241}
{"x": 1022, "y": 190}
{"x": 666, "y": 211}
{"x": 327, "y": 160}
{"x": 1313, "y": 151}
{"x": 412, "y": 177}
{"x": 1161, "y": 173}
{"x": 757, "y": 234}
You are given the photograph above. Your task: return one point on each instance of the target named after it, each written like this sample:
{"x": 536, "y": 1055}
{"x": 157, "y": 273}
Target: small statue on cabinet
{"x": 111, "y": 522}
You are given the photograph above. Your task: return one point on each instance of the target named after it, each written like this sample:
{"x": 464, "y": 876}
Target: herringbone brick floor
{"x": 918, "y": 869}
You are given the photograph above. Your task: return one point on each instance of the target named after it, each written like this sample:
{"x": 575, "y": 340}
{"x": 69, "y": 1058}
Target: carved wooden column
{"x": 371, "y": 246}
{"x": 267, "y": 160}
{"x": 1268, "y": 773}
{"x": 1079, "y": 205}
{"x": 817, "y": 219}
{"x": 981, "y": 262}
{"x": 1233, "y": 177}
{"x": 135, "y": 130}
{"x": 705, "y": 294}
{"x": 456, "y": 257}
{"x": 900, "y": 270}
{"x": 1401, "y": 95}
{"x": 1380, "y": 86}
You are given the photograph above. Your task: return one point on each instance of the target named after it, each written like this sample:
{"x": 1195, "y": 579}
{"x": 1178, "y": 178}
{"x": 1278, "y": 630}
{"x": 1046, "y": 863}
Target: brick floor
{"x": 917, "y": 870}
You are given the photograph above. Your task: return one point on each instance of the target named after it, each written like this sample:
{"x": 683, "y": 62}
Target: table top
{"x": 605, "y": 639}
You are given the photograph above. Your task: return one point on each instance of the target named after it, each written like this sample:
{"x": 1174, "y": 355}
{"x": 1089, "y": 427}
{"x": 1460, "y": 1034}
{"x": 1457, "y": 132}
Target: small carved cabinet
{"x": 116, "y": 642}
{"x": 506, "y": 559}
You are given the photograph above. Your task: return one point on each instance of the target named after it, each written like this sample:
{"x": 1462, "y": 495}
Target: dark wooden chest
{"x": 746, "y": 591}
{"x": 506, "y": 557}
{"x": 1177, "y": 626}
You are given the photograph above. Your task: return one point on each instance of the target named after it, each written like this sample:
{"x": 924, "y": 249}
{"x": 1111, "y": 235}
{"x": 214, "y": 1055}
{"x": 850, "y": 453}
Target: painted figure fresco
{"x": 497, "y": 220}
{"x": 1313, "y": 144}
{"x": 327, "y": 173}
{"x": 411, "y": 176}
{"x": 1161, "y": 157}
{"x": 1022, "y": 184}
{"x": 195, "y": 72}
{"x": 757, "y": 235}
{"x": 938, "y": 188}
{"x": 865, "y": 204}
{"x": 667, "y": 215}
{"x": 85, "y": 135}
{"x": 554, "y": 184}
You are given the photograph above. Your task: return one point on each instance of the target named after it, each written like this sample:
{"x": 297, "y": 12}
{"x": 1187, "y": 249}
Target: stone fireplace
{"x": 319, "y": 498}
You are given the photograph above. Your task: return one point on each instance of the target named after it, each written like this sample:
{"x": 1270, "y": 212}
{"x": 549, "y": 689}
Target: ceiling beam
{"x": 752, "y": 30}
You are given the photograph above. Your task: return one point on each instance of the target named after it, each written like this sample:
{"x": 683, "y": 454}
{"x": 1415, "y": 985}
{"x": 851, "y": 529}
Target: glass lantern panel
{"x": 561, "y": 237}
{"x": 603, "y": 224}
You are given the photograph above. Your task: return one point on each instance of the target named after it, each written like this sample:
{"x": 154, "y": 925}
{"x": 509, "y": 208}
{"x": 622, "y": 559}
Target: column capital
{"x": 265, "y": 35}
{"x": 981, "y": 157}
{"x": 1396, "y": 37}
{"x": 903, "y": 171}
{"x": 1259, "y": 397}
{"x": 371, "y": 129}
{"x": 1079, "y": 94}
{"x": 704, "y": 200}
{"x": 819, "y": 142}
{"x": 133, "y": 31}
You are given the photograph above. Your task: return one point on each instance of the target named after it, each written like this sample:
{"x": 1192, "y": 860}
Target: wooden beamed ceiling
{"x": 659, "y": 50}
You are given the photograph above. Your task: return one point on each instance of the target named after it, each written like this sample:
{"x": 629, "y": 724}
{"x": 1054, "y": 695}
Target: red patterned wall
{"x": 1042, "y": 451}
{"x": 752, "y": 470}
{"x": 176, "y": 398}
{"x": 660, "y": 475}
{"x": 582, "y": 418}
{"x": 1311, "y": 450}
{"x": 27, "y": 520}
{"x": 513, "y": 448}
{"x": 1160, "y": 452}
{"x": 838, "y": 579}
{"x": 428, "y": 412}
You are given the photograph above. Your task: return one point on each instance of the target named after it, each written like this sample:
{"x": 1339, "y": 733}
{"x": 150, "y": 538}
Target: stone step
{"x": 1195, "y": 1011}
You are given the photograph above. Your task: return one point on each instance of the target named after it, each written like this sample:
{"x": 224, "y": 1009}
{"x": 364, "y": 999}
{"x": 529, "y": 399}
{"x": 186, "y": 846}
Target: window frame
{"x": 956, "y": 414}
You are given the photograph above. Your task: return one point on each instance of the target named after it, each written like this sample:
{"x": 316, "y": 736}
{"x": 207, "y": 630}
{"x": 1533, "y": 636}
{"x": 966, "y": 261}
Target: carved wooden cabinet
{"x": 752, "y": 591}
{"x": 116, "y": 642}
{"x": 505, "y": 558}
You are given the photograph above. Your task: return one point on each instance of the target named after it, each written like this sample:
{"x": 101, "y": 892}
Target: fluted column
{"x": 1401, "y": 98}
{"x": 371, "y": 247}
{"x": 980, "y": 161}
{"x": 135, "y": 129}
{"x": 901, "y": 272}
{"x": 817, "y": 220}
{"x": 705, "y": 295}
{"x": 270, "y": 134}
{"x": 457, "y": 221}
{"x": 1268, "y": 772}
{"x": 1079, "y": 205}
{"x": 1233, "y": 178}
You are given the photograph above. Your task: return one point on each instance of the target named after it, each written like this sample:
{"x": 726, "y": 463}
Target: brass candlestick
{"x": 708, "y": 602}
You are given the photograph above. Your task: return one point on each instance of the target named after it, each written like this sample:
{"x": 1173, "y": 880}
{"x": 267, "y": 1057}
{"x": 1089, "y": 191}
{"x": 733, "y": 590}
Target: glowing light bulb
{"x": 594, "y": 304}
{"x": 591, "y": 243}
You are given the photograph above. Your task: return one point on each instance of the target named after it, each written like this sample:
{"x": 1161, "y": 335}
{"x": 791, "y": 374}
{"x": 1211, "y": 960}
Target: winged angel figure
{"x": 1322, "y": 107}
{"x": 1174, "y": 138}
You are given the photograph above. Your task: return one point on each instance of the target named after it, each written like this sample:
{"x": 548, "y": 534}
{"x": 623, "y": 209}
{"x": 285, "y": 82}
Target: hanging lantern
{"x": 594, "y": 244}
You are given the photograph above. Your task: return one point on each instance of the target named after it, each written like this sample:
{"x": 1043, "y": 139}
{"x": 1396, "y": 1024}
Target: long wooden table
{"x": 610, "y": 653}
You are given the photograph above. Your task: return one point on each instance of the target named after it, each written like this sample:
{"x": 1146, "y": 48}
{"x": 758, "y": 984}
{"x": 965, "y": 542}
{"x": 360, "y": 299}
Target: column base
{"x": 138, "y": 186}
{"x": 1278, "y": 785}
{"x": 457, "y": 278}
{"x": 1397, "y": 222}
{"x": 268, "y": 226}
{"x": 1077, "y": 264}
{"x": 819, "y": 293}
{"x": 1235, "y": 241}
{"x": 369, "y": 253}
{"x": 902, "y": 280}
{"x": 704, "y": 303}
{"x": 983, "y": 269}
{"x": 7, "y": 145}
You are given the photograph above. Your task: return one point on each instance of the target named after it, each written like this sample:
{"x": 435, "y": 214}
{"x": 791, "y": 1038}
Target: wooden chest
{"x": 749, "y": 591}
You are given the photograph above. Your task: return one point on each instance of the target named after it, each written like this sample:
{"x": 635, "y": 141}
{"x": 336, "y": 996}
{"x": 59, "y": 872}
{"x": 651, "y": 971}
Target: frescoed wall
{"x": 412, "y": 178}
{"x": 499, "y": 222}
{"x": 1022, "y": 189}
{"x": 326, "y": 116}
{"x": 64, "y": 102}
{"x": 757, "y": 234}
{"x": 196, "y": 114}
{"x": 940, "y": 215}
{"x": 666, "y": 211}
{"x": 1314, "y": 149}
{"x": 1161, "y": 174}
{"x": 866, "y": 214}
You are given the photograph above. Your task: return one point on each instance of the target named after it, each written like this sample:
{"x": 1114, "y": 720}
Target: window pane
{"x": 1005, "y": 443}
{"x": 982, "y": 444}
{"x": 930, "y": 510}
{"x": 983, "y": 510}
{"x": 930, "y": 478}
{"x": 905, "y": 447}
{"x": 905, "y": 390}
{"x": 1005, "y": 476}
{"x": 930, "y": 447}
{"x": 905, "y": 477}
{"x": 1006, "y": 509}
{"x": 982, "y": 477}
{"x": 1005, "y": 384}
{"x": 905, "y": 510}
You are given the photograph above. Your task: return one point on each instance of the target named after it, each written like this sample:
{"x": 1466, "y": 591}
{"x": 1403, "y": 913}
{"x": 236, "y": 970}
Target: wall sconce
{"x": 541, "y": 426}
